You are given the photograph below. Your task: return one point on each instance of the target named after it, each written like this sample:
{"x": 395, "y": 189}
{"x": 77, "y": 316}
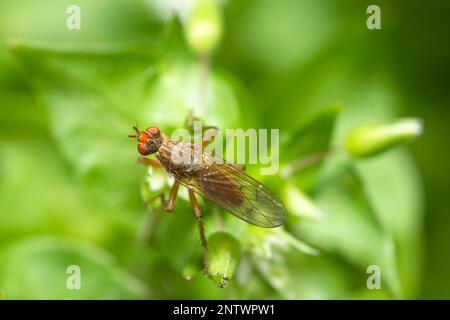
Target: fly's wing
{"x": 238, "y": 193}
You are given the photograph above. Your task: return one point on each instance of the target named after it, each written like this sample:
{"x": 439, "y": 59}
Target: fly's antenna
{"x": 135, "y": 135}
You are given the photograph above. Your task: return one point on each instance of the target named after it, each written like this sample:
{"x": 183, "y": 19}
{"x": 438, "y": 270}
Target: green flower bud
{"x": 204, "y": 26}
{"x": 224, "y": 254}
{"x": 369, "y": 140}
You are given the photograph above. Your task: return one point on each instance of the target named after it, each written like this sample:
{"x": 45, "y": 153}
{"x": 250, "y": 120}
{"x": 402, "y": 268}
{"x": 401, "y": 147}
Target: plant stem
{"x": 203, "y": 63}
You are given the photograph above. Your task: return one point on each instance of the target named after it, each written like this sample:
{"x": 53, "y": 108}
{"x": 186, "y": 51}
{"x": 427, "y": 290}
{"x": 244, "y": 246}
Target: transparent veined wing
{"x": 238, "y": 193}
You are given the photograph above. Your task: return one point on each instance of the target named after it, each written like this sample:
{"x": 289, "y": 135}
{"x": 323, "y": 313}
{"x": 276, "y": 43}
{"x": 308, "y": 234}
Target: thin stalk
{"x": 203, "y": 63}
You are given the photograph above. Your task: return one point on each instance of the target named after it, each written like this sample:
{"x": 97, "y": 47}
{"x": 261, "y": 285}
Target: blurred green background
{"x": 71, "y": 192}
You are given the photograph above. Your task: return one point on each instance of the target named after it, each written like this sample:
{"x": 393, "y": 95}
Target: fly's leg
{"x": 172, "y": 196}
{"x": 170, "y": 204}
{"x": 154, "y": 218}
{"x": 173, "y": 192}
{"x": 150, "y": 162}
{"x": 166, "y": 206}
{"x": 201, "y": 228}
{"x": 190, "y": 119}
{"x": 239, "y": 166}
{"x": 209, "y": 136}
{"x": 156, "y": 164}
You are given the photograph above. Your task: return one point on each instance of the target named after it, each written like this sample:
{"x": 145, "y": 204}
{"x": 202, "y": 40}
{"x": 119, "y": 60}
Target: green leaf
{"x": 325, "y": 277}
{"x": 37, "y": 196}
{"x": 393, "y": 187}
{"x": 350, "y": 227}
{"x": 36, "y": 268}
{"x": 92, "y": 96}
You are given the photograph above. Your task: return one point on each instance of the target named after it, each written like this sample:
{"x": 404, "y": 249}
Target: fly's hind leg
{"x": 201, "y": 228}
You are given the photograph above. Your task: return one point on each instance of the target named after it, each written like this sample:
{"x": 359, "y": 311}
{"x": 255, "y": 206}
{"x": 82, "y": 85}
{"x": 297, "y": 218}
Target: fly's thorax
{"x": 164, "y": 151}
{"x": 179, "y": 156}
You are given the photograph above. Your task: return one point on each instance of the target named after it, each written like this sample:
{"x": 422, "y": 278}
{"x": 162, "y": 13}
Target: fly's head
{"x": 148, "y": 140}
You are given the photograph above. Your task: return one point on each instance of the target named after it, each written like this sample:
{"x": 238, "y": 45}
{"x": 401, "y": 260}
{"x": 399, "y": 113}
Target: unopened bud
{"x": 224, "y": 254}
{"x": 369, "y": 140}
{"x": 204, "y": 26}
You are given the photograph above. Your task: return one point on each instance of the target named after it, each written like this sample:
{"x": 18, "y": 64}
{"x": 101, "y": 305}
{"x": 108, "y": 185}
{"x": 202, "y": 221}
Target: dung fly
{"x": 226, "y": 185}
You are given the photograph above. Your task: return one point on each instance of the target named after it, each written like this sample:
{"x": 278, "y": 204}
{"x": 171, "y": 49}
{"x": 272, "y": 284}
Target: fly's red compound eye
{"x": 153, "y": 131}
{"x": 143, "y": 137}
{"x": 143, "y": 149}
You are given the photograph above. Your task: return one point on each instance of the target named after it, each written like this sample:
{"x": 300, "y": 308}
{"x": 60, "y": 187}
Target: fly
{"x": 226, "y": 185}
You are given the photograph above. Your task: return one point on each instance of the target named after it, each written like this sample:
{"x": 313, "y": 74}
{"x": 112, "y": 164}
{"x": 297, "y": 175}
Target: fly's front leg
{"x": 168, "y": 205}
{"x": 150, "y": 162}
{"x": 172, "y": 196}
{"x": 201, "y": 228}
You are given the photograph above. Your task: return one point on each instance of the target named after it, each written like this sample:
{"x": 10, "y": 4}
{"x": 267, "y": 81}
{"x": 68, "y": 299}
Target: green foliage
{"x": 48, "y": 256}
{"x": 72, "y": 192}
